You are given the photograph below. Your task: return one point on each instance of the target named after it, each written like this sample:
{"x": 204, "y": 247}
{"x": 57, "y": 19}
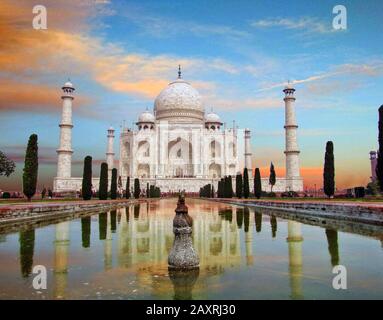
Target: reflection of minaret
{"x": 294, "y": 241}
{"x": 61, "y": 259}
{"x": 332, "y": 240}
{"x": 248, "y": 237}
{"x": 108, "y": 244}
{"x": 27, "y": 245}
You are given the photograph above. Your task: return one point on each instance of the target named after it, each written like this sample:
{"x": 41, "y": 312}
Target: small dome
{"x": 68, "y": 84}
{"x": 146, "y": 116}
{"x": 289, "y": 86}
{"x": 111, "y": 128}
{"x": 212, "y": 118}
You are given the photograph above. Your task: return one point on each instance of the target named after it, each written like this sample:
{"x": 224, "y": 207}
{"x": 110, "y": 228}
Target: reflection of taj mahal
{"x": 179, "y": 146}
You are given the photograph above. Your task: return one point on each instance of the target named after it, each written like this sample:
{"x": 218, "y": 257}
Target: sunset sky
{"x": 238, "y": 54}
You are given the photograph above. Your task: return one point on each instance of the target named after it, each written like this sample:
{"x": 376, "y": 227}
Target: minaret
{"x": 292, "y": 151}
{"x": 248, "y": 151}
{"x": 64, "y": 161}
{"x": 374, "y": 162}
{"x": 109, "y": 152}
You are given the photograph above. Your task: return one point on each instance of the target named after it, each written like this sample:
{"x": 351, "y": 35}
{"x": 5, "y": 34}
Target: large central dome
{"x": 179, "y": 101}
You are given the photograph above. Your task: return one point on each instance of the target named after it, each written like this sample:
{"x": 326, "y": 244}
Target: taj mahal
{"x": 179, "y": 146}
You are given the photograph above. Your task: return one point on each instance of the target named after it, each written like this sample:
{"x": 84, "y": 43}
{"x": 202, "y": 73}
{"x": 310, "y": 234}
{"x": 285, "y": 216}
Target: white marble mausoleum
{"x": 178, "y": 145}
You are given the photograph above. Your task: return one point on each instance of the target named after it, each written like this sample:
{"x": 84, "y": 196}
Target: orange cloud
{"x": 17, "y": 96}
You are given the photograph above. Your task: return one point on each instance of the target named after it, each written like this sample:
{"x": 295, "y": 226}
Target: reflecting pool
{"x": 245, "y": 253}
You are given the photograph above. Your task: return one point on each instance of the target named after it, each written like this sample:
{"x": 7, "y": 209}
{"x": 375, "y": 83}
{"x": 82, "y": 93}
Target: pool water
{"x": 244, "y": 254}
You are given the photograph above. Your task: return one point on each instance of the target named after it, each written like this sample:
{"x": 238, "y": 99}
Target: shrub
{"x": 6, "y": 195}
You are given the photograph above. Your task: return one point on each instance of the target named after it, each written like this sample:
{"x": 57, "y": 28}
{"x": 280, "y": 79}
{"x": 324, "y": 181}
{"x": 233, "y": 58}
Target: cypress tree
{"x": 238, "y": 186}
{"x": 272, "y": 178}
{"x": 229, "y": 187}
{"x": 257, "y": 184}
{"x": 379, "y": 166}
{"x": 127, "y": 191}
{"x": 136, "y": 188}
{"x": 113, "y": 187}
{"x": 87, "y": 179}
{"x": 147, "y": 190}
{"x": 212, "y": 191}
{"x": 246, "y": 188}
{"x": 103, "y": 187}
{"x": 31, "y": 165}
{"x": 329, "y": 170}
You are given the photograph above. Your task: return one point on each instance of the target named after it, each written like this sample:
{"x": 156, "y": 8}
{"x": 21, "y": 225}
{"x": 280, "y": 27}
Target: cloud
{"x": 16, "y": 96}
{"x": 371, "y": 69}
{"x": 241, "y": 103}
{"x": 163, "y": 27}
{"x": 306, "y": 24}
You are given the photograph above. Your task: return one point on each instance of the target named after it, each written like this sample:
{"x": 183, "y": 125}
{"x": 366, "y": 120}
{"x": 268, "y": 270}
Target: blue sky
{"x": 238, "y": 54}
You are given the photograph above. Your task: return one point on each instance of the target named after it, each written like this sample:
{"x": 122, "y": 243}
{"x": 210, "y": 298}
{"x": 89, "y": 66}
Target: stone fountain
{"x": 182, "y": 255}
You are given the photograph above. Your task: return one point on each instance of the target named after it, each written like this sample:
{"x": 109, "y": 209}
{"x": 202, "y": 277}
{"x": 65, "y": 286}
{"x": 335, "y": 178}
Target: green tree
{"x": 257, "y": 184}
{"x": 246, "y": 187}
{"x": 329, "y": 170}
{"x": 272, "y": 178}
{"x": 31, "y": 165}
{"x": 379, "y": 166}
{"x": 127, "y": 191}
{"x": 137, "y": 190}
{"x": 113, "y": 187}
{"x": 147, "y": 190}
{"x": 229, "y": 187}
{"x": 238, "y": 186}
{"x": 86, "y": 188}
{"x": 103, "y": 188}
{"x": 7, "y": 166}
